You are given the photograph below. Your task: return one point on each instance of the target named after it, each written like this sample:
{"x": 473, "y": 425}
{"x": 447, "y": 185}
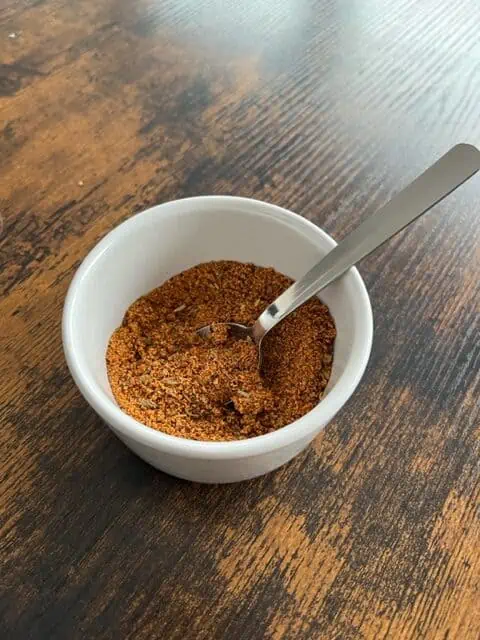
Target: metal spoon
{"x": 437, "y": 182}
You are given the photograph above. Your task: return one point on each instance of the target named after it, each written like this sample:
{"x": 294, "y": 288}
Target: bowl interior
{"x": 152, "y": 246}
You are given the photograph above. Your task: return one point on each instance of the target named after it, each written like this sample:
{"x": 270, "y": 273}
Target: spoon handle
{"x": 437, "y": 182}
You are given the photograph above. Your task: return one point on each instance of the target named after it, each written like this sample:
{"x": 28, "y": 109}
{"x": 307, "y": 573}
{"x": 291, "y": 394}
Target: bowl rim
{"x": 124, "y": 425}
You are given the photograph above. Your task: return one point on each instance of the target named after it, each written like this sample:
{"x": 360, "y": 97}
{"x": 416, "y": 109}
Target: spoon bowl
{"x": 236, "y": 330}
{"x": 239, "y": 332}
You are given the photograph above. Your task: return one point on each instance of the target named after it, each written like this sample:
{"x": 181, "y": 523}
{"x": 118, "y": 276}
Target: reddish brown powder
{"x": 165, "y": 375}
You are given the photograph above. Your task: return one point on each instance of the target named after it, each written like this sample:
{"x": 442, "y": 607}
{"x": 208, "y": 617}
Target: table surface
{"x": 326, "y": 108}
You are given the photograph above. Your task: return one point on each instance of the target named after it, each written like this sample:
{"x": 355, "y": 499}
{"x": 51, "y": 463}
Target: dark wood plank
{"x": 323, "y": 107}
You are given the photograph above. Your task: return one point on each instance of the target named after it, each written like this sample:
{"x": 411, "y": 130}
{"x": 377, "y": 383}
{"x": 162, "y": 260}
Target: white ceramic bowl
{"x": 152, "y": 246}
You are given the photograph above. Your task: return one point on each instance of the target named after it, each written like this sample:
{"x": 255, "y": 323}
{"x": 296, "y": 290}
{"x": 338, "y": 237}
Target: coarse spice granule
{"x": 166, "y": 376}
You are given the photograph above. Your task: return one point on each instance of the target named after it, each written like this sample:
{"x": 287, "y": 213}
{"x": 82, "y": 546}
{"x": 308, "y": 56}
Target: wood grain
{"x": 323, "y": 107}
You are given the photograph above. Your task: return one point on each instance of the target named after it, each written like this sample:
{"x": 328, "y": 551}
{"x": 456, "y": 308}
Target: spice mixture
{"x": 168, "y": 377}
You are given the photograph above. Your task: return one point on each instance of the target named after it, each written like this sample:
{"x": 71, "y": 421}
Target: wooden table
{"x": 326, "y": 108}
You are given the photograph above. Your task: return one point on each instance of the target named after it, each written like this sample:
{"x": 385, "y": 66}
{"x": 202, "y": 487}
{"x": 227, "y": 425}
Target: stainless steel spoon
{"x": 437, "y": 182}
